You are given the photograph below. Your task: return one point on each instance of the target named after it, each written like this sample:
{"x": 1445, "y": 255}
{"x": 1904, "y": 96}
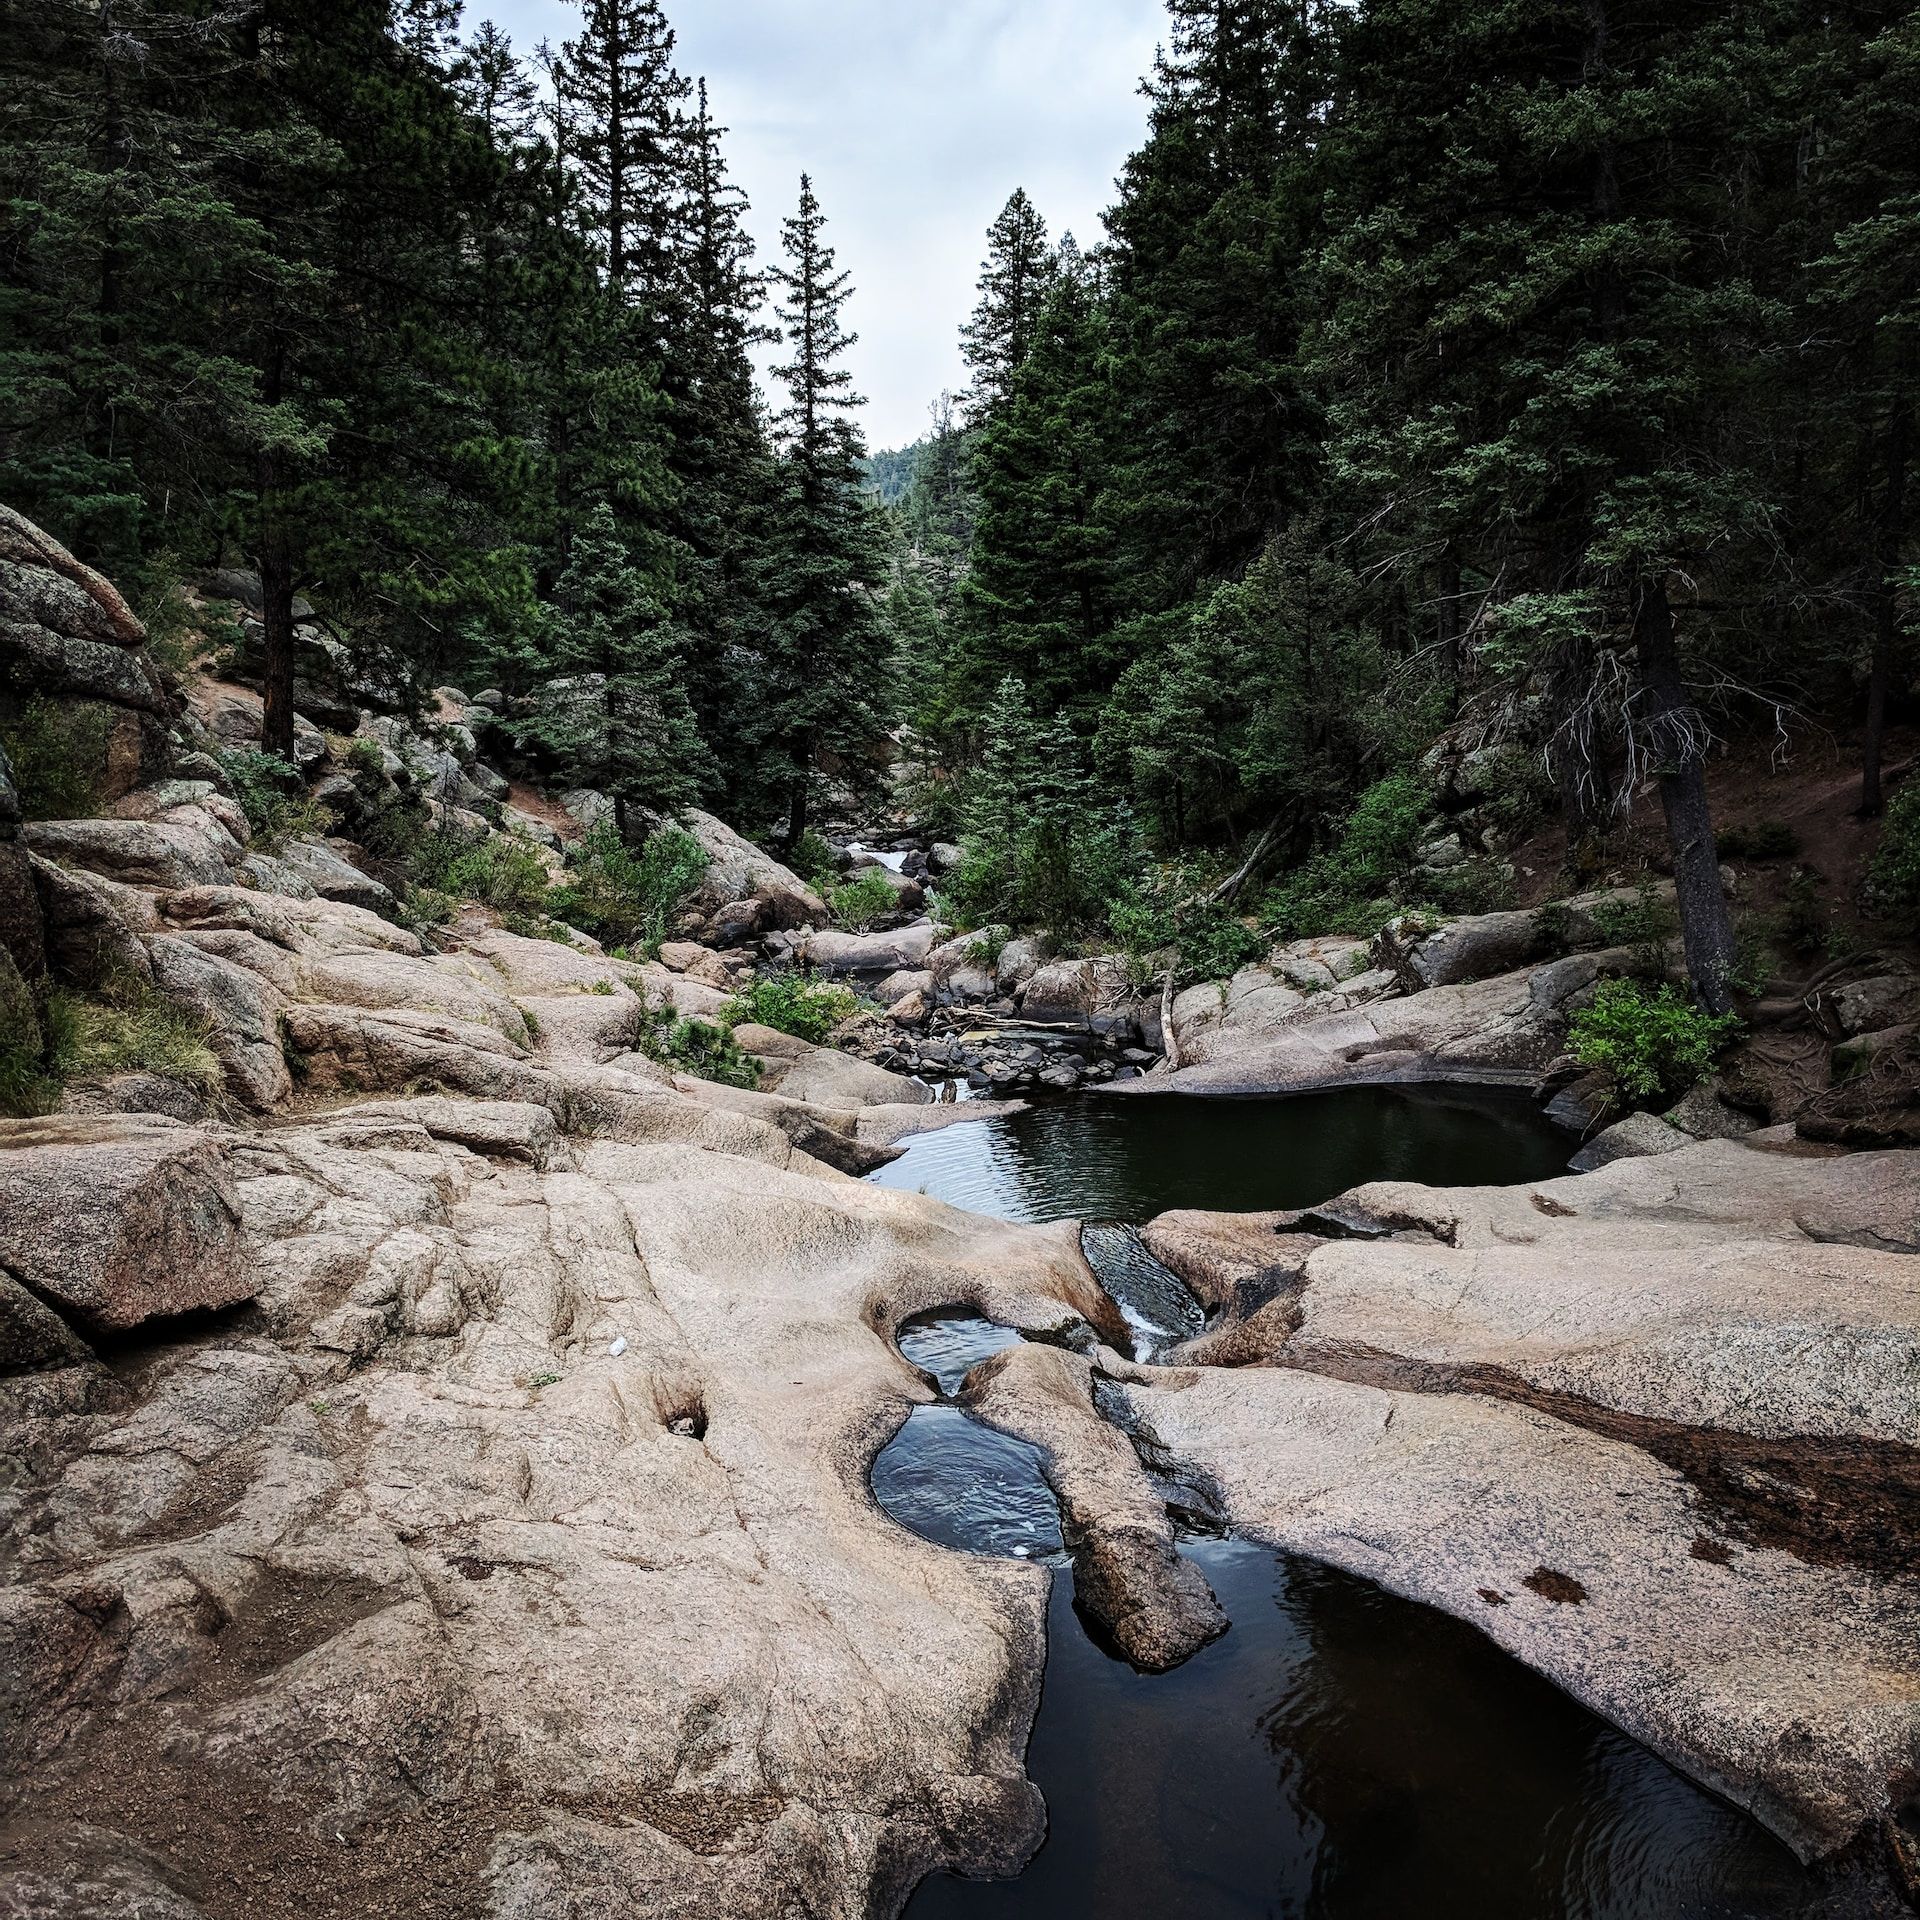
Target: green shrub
{"x": 1647, "y": 923}
{"x": 1893, "y": 880}
{"x": 1519, "y": 791}
{"x": 1167, "y": 912}
{"x": 1806, "y": 924}
{"x": 499, "y": 871}
{"x": 1348, "y": 888}
{"x": 814, "y": 861}
{"x": 863, "y": 901}
{"x": 986, "y": 947}
{"x": 1652, "y": 1041}
{"x": 1475, "y": 886}
{"x": 272, "y": 797}
{"x": 1755, "y": 960}
{"x": 173, "y": 626}
{"x": 123, "y": 1027}
{"x": 1553, "y": 927}
{"x": 627, "y": 898}
{"x": 701, "y": 1048}
{"x": 59, "y": 754}
{"x": 792, "y": 1003}
{"x": 1764, "y": 840}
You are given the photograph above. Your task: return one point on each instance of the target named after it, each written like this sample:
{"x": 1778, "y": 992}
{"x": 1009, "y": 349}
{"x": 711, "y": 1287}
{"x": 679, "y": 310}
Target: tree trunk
{"x": 276, "y": 579}
{"x": 276, "y": 615}
{"x": 797, "y": 799}
{"x": 1886, "y": 611}
{"x": 1677, "y": 740}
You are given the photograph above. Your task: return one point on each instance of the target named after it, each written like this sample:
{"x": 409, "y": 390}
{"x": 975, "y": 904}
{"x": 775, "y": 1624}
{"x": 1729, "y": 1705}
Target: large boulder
{"x": 1872, "y": 1005}
{"x": 120, "y": 1220}
{"x": 1473, "y": 948}
{"x": 1638, "y": 1136}
{"x": 1255, "y": 1034}
{"x": 65, "y": 632}
{"x": 824, "y": 1076}
{"x": 903, "y": 950}
{"x": 332, "y": 876}
{"x": 738, "y": 870}
{"x": 141, "y": 853}
{"x": 1094, "y": 993}
{"x": 240, "y": 1011}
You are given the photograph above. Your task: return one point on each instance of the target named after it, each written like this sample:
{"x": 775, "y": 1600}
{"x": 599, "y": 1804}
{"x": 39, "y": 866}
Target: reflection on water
{"x": 1345, "y": 1755}
{"x": 960, "y": 1484}
{"x": 1128, "y": 1158}
{"x": 1340, "y": 1754}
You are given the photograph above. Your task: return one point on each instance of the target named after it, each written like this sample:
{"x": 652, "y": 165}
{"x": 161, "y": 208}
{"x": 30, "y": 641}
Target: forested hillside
{"x": 454, "y": 343}
{"x": 1532, "y": 386}
{"x": 1545, "y": 373}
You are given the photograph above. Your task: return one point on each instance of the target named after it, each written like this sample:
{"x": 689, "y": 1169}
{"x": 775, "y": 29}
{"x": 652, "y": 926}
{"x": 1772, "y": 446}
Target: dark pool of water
{"x": 1340, "y": 1754}
{"x": 1344, "y": 1755}
{"x": 1129, "y": 1158}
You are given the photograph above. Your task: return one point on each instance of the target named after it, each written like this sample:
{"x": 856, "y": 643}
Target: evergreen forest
{"x": 1535, "y": 380}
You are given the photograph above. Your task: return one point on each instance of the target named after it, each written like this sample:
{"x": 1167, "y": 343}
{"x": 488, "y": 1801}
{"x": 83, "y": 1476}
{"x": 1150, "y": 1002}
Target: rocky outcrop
{"x": 1255, "y": 1034}
{"x": 1155, "y": 1606}
{"x": 65, "y": 632}
{"x": 903, "y": 950}
{"x": 527, "y": 1566}
{"x": 1655, "y": 1430}
{"x": 738, "y": 871}
{"x": 119, "y": 1221}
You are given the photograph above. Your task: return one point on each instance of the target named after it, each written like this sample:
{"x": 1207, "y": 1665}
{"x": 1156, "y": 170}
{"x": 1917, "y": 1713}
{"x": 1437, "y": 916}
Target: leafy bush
{"x": 1475, "y": 886}
{"x": 1893, "y": 880}
{"x": 701, "y": 1048}
{"x": 1166, "y": 912}
{"x": 1806, "y": 924}
{"x": 1764, "y": 840}
{"x": 272, "y": 797}
{"x": 628, "y": 898}
{"x": 792, "y": 1003}
{"x": 814, "y": 861}
{"x": 1647, "y": 923}
{"x": 59, "y": 752}
{"x": 986, "y": 947}
{"x": 862, "y": 902}
{"x": 175, "y": 628}
{"x": 501, "y": 872}
{"x": 1348, "y": 888}
{"x": 1519, "y": 791}
{"x": 1652, "y": 1041}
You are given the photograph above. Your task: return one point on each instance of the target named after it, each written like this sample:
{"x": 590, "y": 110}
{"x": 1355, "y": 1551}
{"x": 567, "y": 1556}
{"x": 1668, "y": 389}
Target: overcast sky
{"x": 916, "y": 119}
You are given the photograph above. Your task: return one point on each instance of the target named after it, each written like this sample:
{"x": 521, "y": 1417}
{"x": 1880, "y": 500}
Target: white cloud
{"x": 916, "y": 119}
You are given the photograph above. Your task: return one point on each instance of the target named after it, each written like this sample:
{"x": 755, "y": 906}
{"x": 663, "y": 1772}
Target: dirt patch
{"x": 1843, "y": 1502}
{"x": 1551, "y": 1584}
{"x": 243, "y": 1848}
{"x": 285, "y": 1615}
{"x": 548, "y": 811}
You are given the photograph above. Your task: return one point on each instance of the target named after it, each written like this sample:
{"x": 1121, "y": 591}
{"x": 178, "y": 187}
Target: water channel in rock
{"x": 1340, "y": 1754}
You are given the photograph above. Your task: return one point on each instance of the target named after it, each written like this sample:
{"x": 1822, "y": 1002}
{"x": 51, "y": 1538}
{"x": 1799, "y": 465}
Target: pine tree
{"x": 643, "y": 745}
{"x": 1013, "y": 285}
{"x": 622, "y": 99}
{"x": 721, "y": 461}
{"x": 820, "y": 679}
{"x": 429, "y": 29}
{"x": 1866, "y": 289}
{"x": 1038, "y": 603}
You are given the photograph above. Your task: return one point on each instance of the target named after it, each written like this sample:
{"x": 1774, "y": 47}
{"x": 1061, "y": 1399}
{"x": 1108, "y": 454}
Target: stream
{"x": 1339, "y": 1753}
